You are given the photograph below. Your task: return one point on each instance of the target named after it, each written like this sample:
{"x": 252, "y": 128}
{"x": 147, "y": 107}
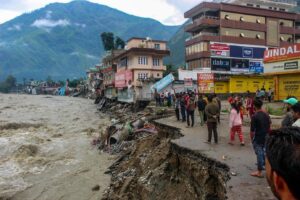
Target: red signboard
{"x": 206, "y": 82}
{"x": 219, "y": 47}
{"x": 283, "y": 53}
{"x": 123, "y": 79}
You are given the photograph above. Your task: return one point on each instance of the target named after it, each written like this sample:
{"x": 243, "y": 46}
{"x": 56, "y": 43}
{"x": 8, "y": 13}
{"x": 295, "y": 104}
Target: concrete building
{"x": 230, "y": 39}
{"x": 281, "y": 5}
{"x": 108, "y": 70}
{"x": 139, "y": 67}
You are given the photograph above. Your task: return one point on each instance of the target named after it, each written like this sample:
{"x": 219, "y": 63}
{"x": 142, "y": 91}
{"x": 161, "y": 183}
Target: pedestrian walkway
{"x": 240, "y": 159}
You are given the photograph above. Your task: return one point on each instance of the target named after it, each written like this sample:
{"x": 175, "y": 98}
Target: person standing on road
{"x": 288, "y": 119}
{"x": 212, "y": 112}
{"x": 260, "y": 127}
{"x": 270, "y": 94}
{"x": 283, "y": 163}
{"x": 235, "y": 124}
{"x": 191, "y": 106}
{"x": 177, "y": 106}
{"x": 249, "y": 105}
{"x": 296, "y": 114}
{"x": 182, "y": 107}
{"x": 201, "y": 108}
{"x": 218, "y": 102}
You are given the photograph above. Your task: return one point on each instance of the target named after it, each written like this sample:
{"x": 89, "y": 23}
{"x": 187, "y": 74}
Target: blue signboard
{"x": 247, "y": 52}
{"x": 220, "y": 64}
{"x": 162, "y": 83}
{"x": 256, "y": 67}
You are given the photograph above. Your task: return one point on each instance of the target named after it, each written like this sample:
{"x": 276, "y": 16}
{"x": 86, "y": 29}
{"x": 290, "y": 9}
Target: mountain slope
{"x": 62, "y": 40}
{"x": 177, "y": 47}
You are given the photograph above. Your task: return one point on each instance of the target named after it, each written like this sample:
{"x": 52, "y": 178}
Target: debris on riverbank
{"x": 150, "y": 166}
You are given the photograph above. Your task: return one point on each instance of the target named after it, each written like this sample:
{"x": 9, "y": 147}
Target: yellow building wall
{"x": 242, "y": 84}
{"x": 288, "y": 85}
{"x": 221, "y": 87}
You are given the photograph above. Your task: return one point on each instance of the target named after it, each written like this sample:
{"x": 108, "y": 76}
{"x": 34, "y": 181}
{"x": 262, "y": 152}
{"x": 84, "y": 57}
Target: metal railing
{"x": 202, "y": 34}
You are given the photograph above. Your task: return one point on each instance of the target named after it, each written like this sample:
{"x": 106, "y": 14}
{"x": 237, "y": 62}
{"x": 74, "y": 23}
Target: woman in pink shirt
{"x": 235, "y": 124}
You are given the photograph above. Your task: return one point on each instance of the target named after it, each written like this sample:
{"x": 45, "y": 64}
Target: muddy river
{"x": 46, "y": 151}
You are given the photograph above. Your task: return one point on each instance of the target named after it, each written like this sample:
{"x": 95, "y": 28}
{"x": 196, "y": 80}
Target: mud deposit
{"x": 45, "y": 150}
{"x": 156, "y": 168}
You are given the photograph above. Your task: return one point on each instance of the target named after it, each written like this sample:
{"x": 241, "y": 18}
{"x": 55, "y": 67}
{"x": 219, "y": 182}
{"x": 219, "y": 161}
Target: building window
{"x": 157, "y": 75}
{"x": 258, "y": 6}
{"x": 142, "y": 76}
{"x": 155, "y": 61}
{"x": 270, "y": 8}
{"x": 123, "y": 62}
{"x": 281, "y": 9}
{"x": 156, "y": 46}
{"x": 249, "y": 4}
{"x": 143, "y": 60}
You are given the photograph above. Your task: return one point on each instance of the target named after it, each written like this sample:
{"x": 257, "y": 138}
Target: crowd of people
{"x": 277, "y": 151}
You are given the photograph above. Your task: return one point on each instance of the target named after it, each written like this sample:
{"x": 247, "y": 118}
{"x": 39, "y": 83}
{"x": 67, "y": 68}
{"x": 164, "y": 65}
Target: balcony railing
{"x": 201, "y": 34}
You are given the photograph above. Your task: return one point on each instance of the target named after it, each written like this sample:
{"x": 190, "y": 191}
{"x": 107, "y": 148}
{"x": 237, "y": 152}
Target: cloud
{"x": 80, "y": 25}
{"x": 76, "y": 53}
{"x": 47, "y": 23}
{"x": 15, "y": 27}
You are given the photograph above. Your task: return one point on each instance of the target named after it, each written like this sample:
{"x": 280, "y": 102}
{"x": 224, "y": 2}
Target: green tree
{"x": 170, "y": 69}
{"x": 119, "y": 43}
{"x": 8, "y": 84}
{"x": 108, "y": 40}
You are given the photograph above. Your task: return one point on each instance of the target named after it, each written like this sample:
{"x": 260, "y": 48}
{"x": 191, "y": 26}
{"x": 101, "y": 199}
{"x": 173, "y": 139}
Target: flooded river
{"x": 46, "y": 151}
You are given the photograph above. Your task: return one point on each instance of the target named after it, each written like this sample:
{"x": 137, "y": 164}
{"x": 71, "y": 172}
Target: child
{"x": 235, "y": 124}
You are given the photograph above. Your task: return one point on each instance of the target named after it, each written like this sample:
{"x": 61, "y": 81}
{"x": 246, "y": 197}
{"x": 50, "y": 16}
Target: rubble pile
{"x": 150, "y": 166}
{"x": 156, "y": 168}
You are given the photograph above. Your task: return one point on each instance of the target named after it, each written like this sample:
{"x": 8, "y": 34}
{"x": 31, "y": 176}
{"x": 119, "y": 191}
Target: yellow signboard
{"x": 289, "y": 85}
{"x": 242, "y": 84}
{"x": 221, "y": 87}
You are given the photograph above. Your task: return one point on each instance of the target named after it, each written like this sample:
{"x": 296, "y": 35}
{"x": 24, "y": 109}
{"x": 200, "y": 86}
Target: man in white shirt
{"x": 296, "y": 114}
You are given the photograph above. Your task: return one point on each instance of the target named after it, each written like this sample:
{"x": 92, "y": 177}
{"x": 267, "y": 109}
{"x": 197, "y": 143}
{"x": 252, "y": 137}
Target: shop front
{"x": 283, "y": 65}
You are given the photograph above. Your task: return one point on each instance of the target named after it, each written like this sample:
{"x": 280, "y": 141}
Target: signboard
{"x": 247, "y": 52}
{"x": 220, "y": 64}
{"x": 239, "y": 65}
{"x": 256, "y": 67}
{"x": 221, "y": 87}
{"x": 183, "y": 74}
{"x": 123, "y": 79}
{"x": 188, "y": 83}
{"x": 242, "y": 84}
{"x": 219, "y": 49}
{"x": 162, "y": 83}
{"x": 279, "y": 67}
{"x": 206, "y": 82}
{"x": 283, "y": 53}
{"x": 289, "y": 86}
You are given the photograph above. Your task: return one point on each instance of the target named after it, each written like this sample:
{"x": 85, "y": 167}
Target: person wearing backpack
{"x": 201, "y": 108}
{"x": 190, "y": 109}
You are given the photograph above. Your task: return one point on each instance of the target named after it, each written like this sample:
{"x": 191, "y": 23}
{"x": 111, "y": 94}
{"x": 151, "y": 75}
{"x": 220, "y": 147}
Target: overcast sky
{"x": 169, "y": 12}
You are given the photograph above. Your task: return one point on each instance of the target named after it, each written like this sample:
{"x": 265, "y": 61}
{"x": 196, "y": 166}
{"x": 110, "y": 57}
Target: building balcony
{"x": 148, "y": 67}
{"x": 243, "y": 25}
{"x": 285, "y": 43}
{"x": 203, "y": 36}
{"x": 204, "y": 54}
{"x": 203, "y": 22}
{"x": 242, "y": 40}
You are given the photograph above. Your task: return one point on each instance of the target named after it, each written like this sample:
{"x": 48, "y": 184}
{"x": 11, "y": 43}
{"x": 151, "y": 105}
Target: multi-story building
{"x": 108, "y": 70}
{"x": 281, "y": 5}
{"x": 139, "y": 67}
{"x": 237, "y": 34}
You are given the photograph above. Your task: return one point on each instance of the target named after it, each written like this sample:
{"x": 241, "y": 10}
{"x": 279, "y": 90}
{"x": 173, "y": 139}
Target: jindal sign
{"x": 282, "y": 53}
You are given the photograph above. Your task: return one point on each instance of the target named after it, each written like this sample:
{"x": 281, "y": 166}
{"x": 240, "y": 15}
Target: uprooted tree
{"x": 110, "y": 42}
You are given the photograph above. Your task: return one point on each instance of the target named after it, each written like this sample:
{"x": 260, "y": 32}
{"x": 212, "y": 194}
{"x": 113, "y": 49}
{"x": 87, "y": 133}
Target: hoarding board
{"x": 279, "y": 67}
{"x": 162, "y": 83}
{"x": 183, "y": 74}
{"x": 188, "y": 83}
{"x": 256, "y": 66}
{"x": 283, "y": 53}
{"x": 219, "y": 50}
{"x": 220, "y": 64}
{"x": 242, "y": 84}
{"x": 246, "y": 52}
{"x": 239, "y": 65}
{"x": 289, "y": 85}
{"x": 206, "y": 82}
{"x": 123, "y": 79}
{"x": 221, "y": 87}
